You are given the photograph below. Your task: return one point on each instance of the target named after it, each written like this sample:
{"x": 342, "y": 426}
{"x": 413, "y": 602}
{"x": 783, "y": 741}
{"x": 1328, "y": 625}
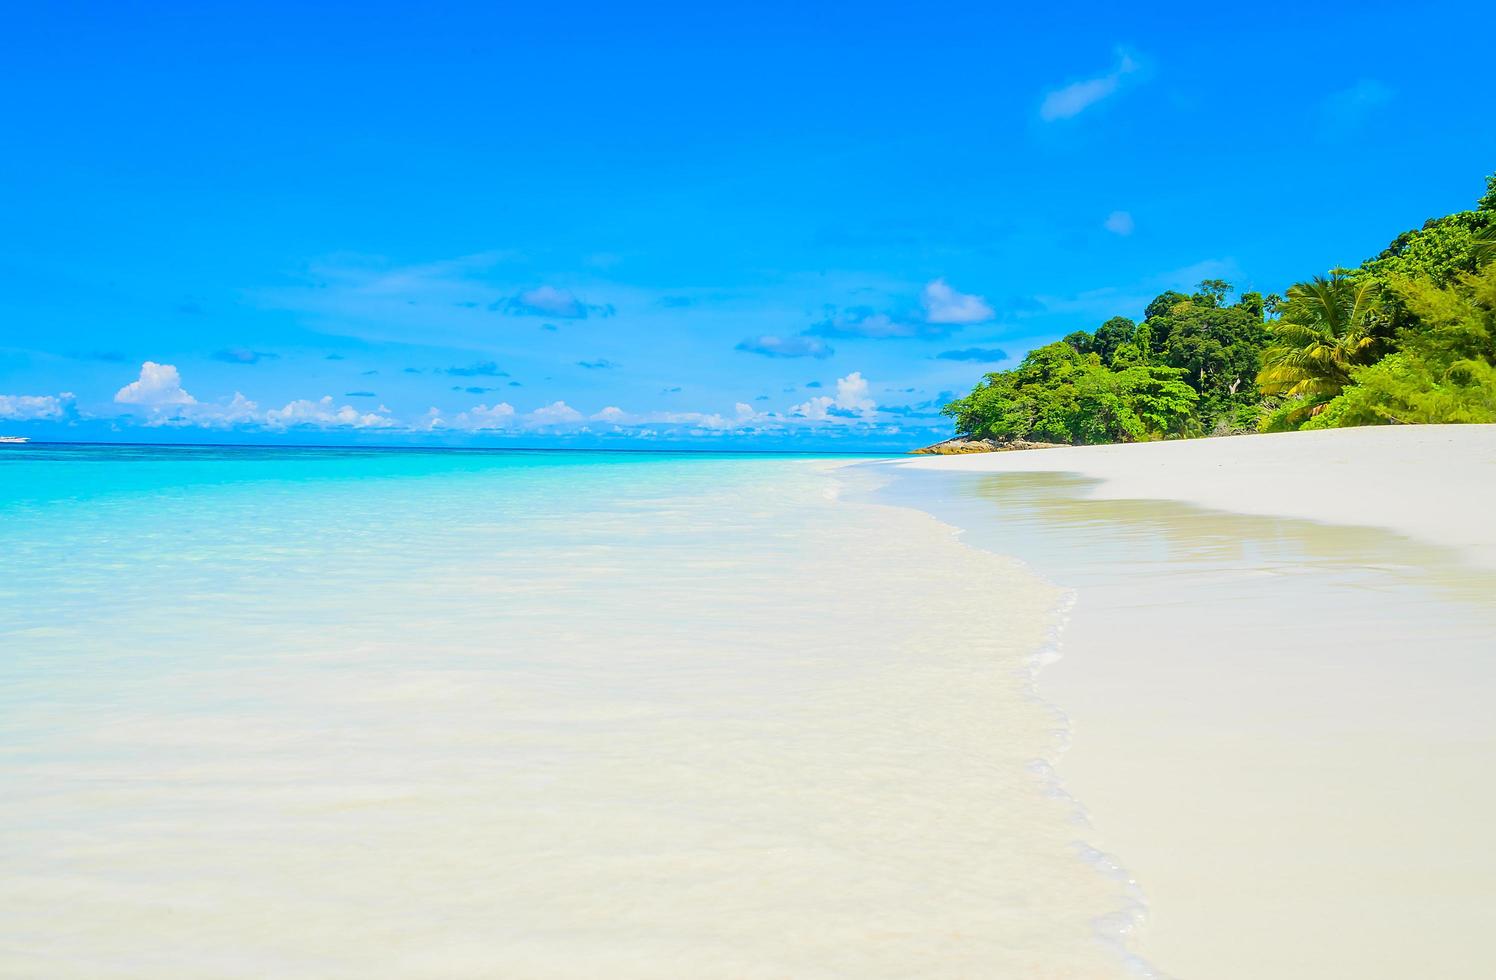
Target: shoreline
{"x": 766, "y": 744}
{"x": 1273, "y": 721}
{"x": 1445, "y": 469}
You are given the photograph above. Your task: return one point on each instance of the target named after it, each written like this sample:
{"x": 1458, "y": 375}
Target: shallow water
{"x": 350, "y": 713}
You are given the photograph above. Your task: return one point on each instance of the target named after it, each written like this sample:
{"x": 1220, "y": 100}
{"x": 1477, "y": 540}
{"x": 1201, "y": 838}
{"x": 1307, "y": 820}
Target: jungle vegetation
{"x": 1408, "y": 336}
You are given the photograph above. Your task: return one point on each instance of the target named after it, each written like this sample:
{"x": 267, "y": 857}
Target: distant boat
{"x": 14, "y": 439}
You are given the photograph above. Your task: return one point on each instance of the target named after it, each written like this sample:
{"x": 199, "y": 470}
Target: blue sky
{"x": 753, "y": 226}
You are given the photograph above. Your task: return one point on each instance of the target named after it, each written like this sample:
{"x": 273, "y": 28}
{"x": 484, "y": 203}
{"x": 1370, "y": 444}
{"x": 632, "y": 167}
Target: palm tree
{"x": 1484, "y": 248}
{"x": 1324, "y": 334}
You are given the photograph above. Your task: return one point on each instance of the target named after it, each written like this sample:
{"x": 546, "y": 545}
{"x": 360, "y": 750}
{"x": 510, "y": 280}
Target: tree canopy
{"x": 1062, "y": 394}
{"x": 1408, "y": 336}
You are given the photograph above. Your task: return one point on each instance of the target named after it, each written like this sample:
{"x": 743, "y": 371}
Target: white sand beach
{"x": 581, "y": 714}
{"x": 1278, "y": 677}
{"x": 1430, "y": 482}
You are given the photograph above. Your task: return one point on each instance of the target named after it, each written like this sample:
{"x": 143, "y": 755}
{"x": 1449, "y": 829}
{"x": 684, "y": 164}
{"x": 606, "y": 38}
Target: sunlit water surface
{"x": 304, "y": 713}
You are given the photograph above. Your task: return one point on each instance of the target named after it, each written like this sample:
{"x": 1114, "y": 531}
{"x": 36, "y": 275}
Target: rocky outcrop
{"x": 959, "y": 445}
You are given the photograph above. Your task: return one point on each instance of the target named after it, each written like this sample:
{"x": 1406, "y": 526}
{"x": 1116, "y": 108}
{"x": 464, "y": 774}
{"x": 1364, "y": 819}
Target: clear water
{"x": 327, "y": 713}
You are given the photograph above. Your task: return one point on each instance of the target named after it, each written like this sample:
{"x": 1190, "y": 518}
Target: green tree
{"x": 1442, "y": 250}
{"x": 1159, "y": 397}
{"x": 1215, "y": 343}
{"x": 1111, "y": 335}
{"x": 1324, "y": 334}
{"x": 1405, "y": 337}
{"x": 1445, "y": 370}
{"x": 1058, "y": 394}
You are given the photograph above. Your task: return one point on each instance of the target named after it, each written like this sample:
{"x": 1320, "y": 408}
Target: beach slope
{"x": 1277, "y": 676}
{"x": 1430, "y": 482}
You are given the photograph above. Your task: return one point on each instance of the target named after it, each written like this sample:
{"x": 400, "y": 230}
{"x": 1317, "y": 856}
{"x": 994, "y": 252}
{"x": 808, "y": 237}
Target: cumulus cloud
{"x": 1077, "y": 97}
{"x": 236, "y": 411}
{"x": 207, "y": 415}
{"x": 744, "y": 417}
{"x": 549, "y": 301}
{"x": 159, "y": 385}
{"x": 771, "y": 346}
{"x": 481, "y": 417}
{"x": 34, "y": 408}
{"x": 852, "y": 393}
{"x": 705, "y": 421}
{"x": 973, "y": 354}
{"x": 323, "y": 412}
{"x": 159, "y": 390}
{"x": 852, "y": 400}
{"x": 944, "y": 304}
{"x": 1119, "y": 223}
{"x": 556, "y": 413}
{"x": 243, "y": 355}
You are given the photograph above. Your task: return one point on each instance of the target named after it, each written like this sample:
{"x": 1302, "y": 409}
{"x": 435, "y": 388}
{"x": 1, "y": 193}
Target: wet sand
{"x": 1279, "y": 727}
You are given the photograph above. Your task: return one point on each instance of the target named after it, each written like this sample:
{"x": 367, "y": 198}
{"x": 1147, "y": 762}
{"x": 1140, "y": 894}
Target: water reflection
{"x": 1050, "y": 520}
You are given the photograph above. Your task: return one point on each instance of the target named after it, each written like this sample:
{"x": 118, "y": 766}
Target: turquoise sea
{"x": 328, "y": 713}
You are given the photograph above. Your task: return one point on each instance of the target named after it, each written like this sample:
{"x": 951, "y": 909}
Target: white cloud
{"x": 745, "y": 416}
{"x": 207, "y": 415}
{"x": 323, "y": 412}
{"x": 852, "y": 399}
{"x": 28, "y": 408}
{"x": 852, "y": 394}
{"x": 159, "y": 389}
{"x": 238, "y": 409}
{"x": 482, "y": 417}
{"x": 556, "y": 413}
{"x": 1119, "y": 223}
{"x": 945, "y": 305}
{"x": 815, "y": 409}
{"x": 159, "y": 385}
{"x": 700, "y": 420}
{"x": 1077, "y": 97}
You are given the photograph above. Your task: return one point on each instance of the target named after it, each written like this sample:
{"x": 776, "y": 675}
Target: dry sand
{"x": 1281, "y": 728}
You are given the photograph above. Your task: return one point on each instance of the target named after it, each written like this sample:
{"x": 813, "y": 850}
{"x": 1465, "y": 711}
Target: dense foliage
{"x": 1409, "y": 336}
{"x": 1060, "y": 394}
{"x": 1444, "y": 369}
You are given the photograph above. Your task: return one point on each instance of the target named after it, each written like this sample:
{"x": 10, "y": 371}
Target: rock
{"x": 957, "y": 446}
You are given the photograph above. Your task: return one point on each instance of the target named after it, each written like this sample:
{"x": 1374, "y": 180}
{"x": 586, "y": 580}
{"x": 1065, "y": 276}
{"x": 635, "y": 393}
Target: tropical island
{"x": 1406, "y": 337}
